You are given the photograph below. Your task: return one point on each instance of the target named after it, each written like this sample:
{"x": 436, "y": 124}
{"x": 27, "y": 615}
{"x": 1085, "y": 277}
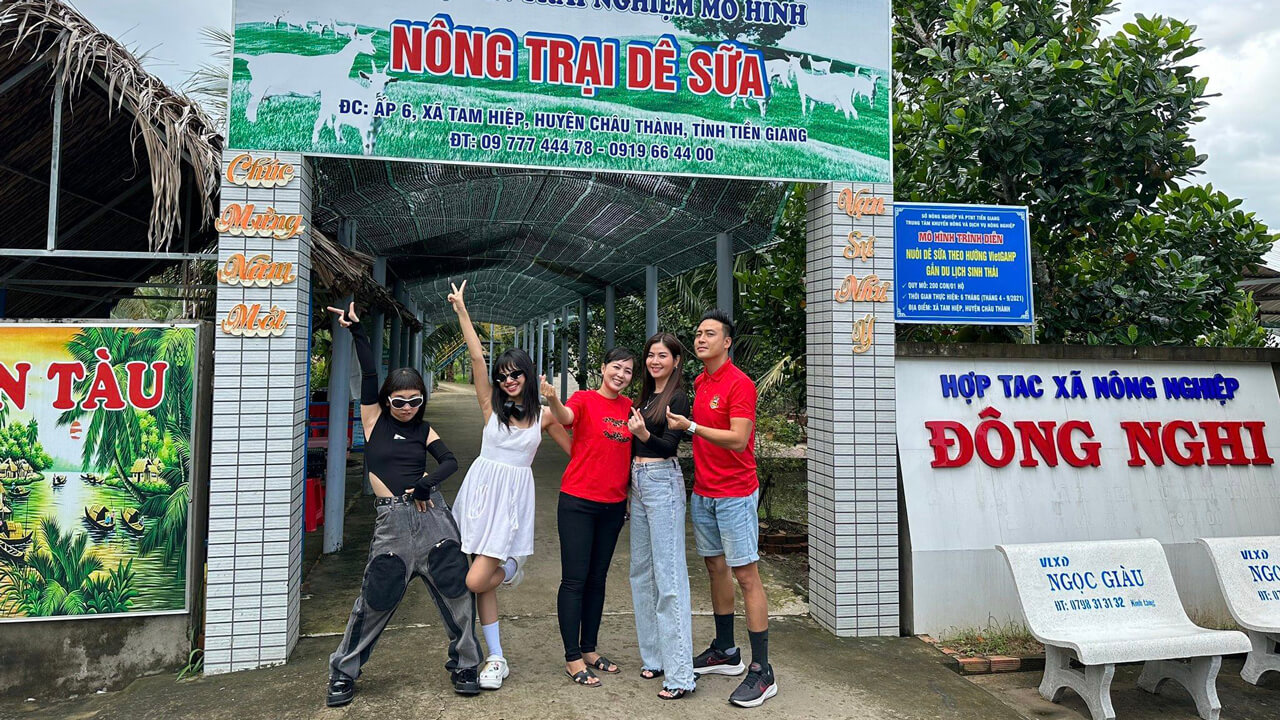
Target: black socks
{"x": 760, "y": 647}
{"x": 724, "y": 632}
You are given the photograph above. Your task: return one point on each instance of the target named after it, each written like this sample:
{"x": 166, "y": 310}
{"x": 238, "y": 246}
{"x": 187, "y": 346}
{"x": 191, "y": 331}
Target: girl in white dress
{"x": 494, "y": 506}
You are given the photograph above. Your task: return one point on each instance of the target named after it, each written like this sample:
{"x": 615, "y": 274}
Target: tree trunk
{"x": 124, "y": 479}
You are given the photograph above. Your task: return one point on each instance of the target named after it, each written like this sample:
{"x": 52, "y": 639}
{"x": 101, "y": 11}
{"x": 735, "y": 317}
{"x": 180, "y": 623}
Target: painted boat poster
{"x": 95, "y": 433}
{"x": 768, "y": 89}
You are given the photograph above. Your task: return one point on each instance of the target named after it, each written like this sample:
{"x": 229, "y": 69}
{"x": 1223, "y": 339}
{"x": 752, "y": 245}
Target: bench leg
{"x": 1262, "y": 658}
{"x": 1198, "y": 675}
{"x": 1093, "y": 684}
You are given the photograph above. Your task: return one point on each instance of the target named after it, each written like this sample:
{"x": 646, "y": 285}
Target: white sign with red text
{"x": 1023, "y": 451}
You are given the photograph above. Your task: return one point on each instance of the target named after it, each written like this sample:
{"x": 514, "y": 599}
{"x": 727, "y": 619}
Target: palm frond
{"x": 168, "y": 124}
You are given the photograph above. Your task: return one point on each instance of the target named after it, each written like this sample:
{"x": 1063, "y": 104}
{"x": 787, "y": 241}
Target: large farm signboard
{"x": 742, "y": 88}
{"x": 95, "y": 431}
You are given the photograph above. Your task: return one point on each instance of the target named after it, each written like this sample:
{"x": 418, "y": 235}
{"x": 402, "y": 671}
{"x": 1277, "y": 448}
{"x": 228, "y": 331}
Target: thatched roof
{"x": 142, "y": 465}
{"x": 121, "y": 125}
{"x": 347, "y": 272}
{"x": 170, "y": 126}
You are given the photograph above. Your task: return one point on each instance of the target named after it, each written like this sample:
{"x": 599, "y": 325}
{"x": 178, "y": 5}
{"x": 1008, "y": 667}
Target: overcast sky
{"x": 1241, "y": 40}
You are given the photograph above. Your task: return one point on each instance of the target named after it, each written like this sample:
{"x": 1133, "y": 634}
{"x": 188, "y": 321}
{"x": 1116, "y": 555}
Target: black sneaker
{"x": 717, "y": 662}
{"x": 756, "y": 688}
{"x": 466, "y": 681}
{"x": 341, "y": 689}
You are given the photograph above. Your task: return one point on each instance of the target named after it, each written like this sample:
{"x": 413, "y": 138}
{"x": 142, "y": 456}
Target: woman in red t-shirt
{"x": 592, "y": 509}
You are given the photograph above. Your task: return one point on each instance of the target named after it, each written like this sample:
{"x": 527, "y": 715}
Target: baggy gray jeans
{"x": 407, "y": 544}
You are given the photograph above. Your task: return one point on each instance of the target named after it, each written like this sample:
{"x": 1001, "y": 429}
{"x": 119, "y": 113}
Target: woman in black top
{"x": 659, "y": 574}
{"x": 414, "y": 534}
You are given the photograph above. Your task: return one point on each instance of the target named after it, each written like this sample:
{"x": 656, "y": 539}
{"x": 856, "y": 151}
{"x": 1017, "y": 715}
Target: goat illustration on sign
{"x": 838, "y": 90}
{"x": 367, "y": 125}
{"x": 279, "y": 74}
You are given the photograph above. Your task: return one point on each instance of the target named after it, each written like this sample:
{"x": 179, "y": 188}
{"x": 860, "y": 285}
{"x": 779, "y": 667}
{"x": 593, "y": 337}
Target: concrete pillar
{"x": 724, "y": 273}
{"x": 406, "y": 338}
{"x": 610, "y": 299}
{"x": 418, "y": 362}
{"x": 490, "y": 344}
{"x": 852, "y": 455}
{"x": 564, "y": 354}
{"x": 396, "y": 331}
{"x": 539, "y": 342}
{"x": 582, "y": 343}
{"x": 551, "y": 349}
{"x": 340, "y": 364}
{"x": 258, "y": 445}
{"x": 376, "y": 325}
{"x": 378, "y": 319}
{"x": 650, "y": 301}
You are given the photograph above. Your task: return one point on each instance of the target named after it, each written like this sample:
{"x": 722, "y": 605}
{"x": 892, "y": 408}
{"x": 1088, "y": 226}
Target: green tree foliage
{"x": 21, "y": 442}
{"x": 1243, "y": 328}
{"x": 709, "y": 28}
{"x": 771, "y": 302}
{"x": 1028, "y": 104}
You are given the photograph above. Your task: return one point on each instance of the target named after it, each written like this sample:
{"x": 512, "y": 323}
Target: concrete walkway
{"x": 819, "y": 675}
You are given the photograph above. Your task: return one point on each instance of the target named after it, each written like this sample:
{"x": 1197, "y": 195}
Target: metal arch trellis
{"x": 532, "y": 241}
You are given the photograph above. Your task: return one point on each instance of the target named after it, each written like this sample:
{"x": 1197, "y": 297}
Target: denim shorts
{"x": 727, "y": 526}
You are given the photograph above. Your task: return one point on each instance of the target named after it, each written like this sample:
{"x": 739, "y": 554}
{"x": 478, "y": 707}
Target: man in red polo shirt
{"x": 723, "y": 508}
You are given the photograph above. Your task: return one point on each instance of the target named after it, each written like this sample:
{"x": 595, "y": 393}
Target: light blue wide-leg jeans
{"x": 659, "y": 573}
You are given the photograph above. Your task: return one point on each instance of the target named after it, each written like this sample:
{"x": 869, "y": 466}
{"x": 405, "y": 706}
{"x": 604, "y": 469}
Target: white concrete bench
{"x": 1104, "y": 603}
{"x": 1248, "y": 571}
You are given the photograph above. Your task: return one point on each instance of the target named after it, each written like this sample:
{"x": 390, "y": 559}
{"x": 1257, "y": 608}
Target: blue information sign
{"x": 964, "y": 264}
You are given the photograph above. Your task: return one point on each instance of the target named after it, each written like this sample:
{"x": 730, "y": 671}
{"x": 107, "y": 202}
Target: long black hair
{"x": 514, "y": 359}
{"x": 675, "y": 383}
{"x": 405, "y": 378}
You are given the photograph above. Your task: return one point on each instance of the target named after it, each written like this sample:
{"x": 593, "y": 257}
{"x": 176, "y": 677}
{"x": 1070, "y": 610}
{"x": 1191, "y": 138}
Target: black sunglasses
{"x": 400, "y": 403}
{"x": 514, "y": 375}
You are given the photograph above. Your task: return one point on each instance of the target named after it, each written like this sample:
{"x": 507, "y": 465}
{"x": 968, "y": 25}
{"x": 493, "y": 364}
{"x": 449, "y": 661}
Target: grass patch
{"x": 1010, "y": 639}
{"x": 836, "y": 147}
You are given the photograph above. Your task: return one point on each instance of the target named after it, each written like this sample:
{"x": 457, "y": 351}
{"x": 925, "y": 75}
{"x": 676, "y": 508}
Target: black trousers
{"x": 588, "y": 535}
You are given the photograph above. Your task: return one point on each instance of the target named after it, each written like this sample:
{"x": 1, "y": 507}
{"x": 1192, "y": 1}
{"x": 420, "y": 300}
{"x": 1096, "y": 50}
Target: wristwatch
{"x": 693, "y": 427}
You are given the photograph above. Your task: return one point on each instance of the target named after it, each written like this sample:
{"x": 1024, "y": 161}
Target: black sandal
{"x": 583, "y": 677}
{"x": 648, "y": 674}
{"x": 675, "y": 694}
{"x": 602, "y": 663}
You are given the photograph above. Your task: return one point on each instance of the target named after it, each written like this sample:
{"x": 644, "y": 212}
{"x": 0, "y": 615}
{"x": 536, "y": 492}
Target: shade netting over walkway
{"x": 532, "y": 241}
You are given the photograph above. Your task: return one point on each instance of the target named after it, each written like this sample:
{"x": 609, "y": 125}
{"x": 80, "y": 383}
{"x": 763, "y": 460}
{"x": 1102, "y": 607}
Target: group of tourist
{"x": 622, "y": 466}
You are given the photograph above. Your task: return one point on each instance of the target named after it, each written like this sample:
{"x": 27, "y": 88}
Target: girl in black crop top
{"x": 414, "y": 534}
{"x": 398, "y": 436}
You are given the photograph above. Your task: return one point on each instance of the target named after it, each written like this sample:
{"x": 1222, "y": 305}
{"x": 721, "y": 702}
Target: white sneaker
{"x": 518, "y": 576}
{"x": 494, "y": 672}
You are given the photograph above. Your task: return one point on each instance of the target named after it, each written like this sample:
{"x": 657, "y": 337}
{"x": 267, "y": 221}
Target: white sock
{"x": 509, "y": 568}
{"x": 491, "y": 638}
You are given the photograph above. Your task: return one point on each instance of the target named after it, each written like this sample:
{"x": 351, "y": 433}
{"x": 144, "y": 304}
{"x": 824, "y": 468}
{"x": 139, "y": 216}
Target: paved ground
{"x": 820, "y": 676}
{"x": 1240, "y": 700}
